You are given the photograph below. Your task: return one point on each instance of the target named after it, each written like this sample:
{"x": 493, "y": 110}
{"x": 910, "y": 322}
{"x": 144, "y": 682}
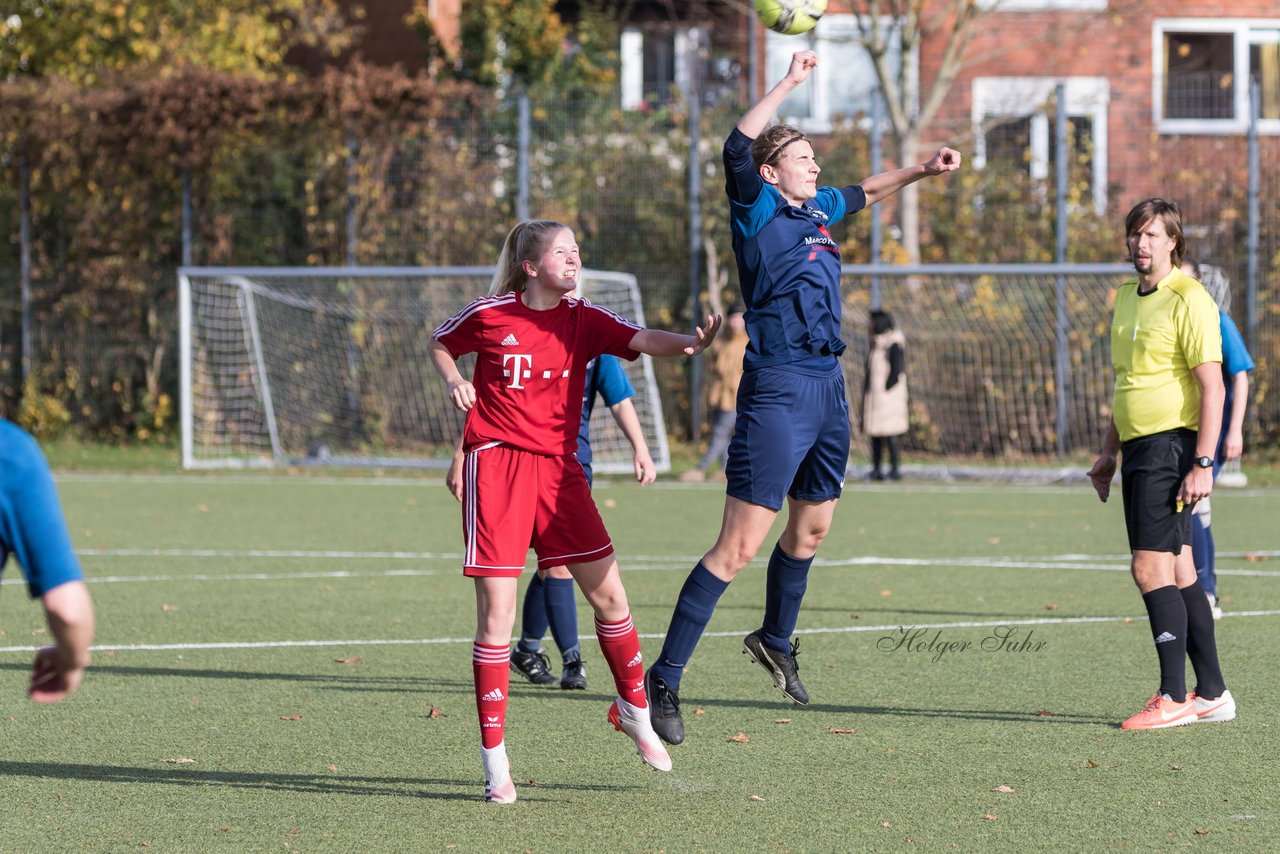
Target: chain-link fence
{"x": 108, "y": 227}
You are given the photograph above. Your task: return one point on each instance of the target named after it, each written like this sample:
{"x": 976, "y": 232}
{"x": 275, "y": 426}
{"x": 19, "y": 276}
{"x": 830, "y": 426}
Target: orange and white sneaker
{"x": 1214, "y": 711}
{"x": 499, "y": 788}
{"x": 1162, "y": 712}
{"x": 634, "y": 721}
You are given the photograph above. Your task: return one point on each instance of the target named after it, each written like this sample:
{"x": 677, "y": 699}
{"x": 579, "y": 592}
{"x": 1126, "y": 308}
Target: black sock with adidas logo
{"x": 1168, "y": 614}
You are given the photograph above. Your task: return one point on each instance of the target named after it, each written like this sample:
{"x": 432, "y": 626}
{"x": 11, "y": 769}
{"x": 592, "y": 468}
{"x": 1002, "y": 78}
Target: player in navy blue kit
{"x": 791, "y": 441}
{"x": 33, "y": 531}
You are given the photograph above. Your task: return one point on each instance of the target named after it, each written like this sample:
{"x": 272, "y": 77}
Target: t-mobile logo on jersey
{"x": 515, "y": 367}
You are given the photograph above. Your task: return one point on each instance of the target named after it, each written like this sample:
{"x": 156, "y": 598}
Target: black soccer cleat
{"x": 782, "y": 666}
{"x": 664, "y": 710}
{"x": 532, "y": 666}
{"x": 574, "y": 676}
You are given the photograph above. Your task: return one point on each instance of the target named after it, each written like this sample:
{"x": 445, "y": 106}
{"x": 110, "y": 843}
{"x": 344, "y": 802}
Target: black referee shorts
{"x": 1152, "y": 469}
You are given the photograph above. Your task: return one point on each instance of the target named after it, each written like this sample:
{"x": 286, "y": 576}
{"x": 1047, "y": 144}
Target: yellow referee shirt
{"x": 1156, "y": 340}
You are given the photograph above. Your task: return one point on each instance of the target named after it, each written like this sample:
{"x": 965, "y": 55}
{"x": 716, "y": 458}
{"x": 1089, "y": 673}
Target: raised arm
{"x": 656, "y": 342}
{"x": 879, "y": 187}
{"x": 760, "y": 116}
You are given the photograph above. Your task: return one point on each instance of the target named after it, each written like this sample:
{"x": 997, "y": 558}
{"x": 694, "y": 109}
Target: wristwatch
{"x": 1204, "y": 462}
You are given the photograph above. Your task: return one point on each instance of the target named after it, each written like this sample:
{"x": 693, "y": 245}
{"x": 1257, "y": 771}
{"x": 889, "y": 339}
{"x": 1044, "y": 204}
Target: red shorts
{"x": 513, "y": 500}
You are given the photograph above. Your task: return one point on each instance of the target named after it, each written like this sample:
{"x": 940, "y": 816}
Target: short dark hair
{"x": 1168, "y": 213}
{"x": 881, "y": 322}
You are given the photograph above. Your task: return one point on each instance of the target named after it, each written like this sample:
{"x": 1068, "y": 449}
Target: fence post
{"x": 24, "y": 258}
{"x": 695, "y": 223}
{"x": 352, "y": 197}
{"x": 523, "y": 144}
{"x": 877, "y": 225}
{"x": 1061, "y": 363}
{"x": 1251, "y": 242}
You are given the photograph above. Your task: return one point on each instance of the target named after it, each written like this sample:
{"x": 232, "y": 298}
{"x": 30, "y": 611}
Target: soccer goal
{"x": 329, "y": 367}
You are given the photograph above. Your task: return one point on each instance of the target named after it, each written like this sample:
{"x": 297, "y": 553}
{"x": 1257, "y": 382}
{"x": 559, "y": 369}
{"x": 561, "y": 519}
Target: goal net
{"x": 329, "y": 367}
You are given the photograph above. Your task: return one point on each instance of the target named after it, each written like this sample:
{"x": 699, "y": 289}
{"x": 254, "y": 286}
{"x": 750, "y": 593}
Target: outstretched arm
{"x": 879, "y": 187}
{"x": 760, "y": 116}
{"x": 656, "y": 342}
{"x": 624, "y": 412}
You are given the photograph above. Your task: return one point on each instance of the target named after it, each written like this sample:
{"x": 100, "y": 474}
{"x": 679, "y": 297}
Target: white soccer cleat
{"x": 1215, "y": 711}
{"x": 499, "y": 788}
{"x": 634, "y": 721}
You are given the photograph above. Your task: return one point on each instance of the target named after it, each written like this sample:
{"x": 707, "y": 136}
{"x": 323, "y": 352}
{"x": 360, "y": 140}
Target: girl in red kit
{"x": 522, "y": 484}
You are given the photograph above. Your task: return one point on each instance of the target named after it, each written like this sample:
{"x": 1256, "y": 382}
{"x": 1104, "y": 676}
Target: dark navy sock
{"x": 533, "y": 617}
{"x": 1202, "y": 643}
{"x": 562, "y": 613}
{"x": 693, "y": 611}
{"x": 1202, "y": 551}
{"x": 1168, "y": 614}
{"x": 784, "y": 589}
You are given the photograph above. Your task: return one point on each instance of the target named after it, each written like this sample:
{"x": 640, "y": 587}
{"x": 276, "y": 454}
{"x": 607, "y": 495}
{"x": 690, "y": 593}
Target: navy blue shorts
{"x": 791, "y": 437}
{"x": 1152, "y": 469}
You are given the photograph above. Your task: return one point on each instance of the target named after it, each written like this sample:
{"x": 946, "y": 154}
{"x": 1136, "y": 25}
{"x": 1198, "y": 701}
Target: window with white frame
{"x": 654, "y": 62}
{"x": 1012, "y": 122}
{"x": 1202, "y": 71}
{"x": 843, "y": 84}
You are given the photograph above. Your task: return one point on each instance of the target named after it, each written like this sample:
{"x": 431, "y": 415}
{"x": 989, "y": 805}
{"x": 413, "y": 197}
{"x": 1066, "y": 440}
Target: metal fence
{"x": 624, "y": 181}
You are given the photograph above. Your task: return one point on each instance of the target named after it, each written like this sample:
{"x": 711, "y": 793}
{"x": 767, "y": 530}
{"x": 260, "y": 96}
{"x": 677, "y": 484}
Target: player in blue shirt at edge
{"x": 549, "y": 599}
{"x": 791, "y": 440}
{"x": 1236, "y": 364}
{"x": 32, "y": 529}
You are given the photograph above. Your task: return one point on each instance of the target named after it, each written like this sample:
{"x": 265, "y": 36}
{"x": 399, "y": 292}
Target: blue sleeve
{"x": 614, "y": 386}
{"x": 31, "y": 522}
{"x": 1235, "y": 358}
{"x": 742, "y": 179}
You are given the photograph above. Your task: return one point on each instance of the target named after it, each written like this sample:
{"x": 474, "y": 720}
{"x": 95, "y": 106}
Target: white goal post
{"x": 328, "y": 366}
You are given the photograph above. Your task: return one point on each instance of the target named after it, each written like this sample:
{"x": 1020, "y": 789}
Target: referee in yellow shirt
{"x": 1166, "y": 348}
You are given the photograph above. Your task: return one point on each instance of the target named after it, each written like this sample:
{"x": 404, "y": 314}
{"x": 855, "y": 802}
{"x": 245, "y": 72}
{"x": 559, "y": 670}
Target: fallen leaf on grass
{"x": 740, "y": 738}
{"x": 758, "y": 798}
{"x": 1175, "y": 767}
{"x": 332, "y": 767}
{"x": 699, "y": 711}
{"x": 166, "y": 607}
{"x": 181, "y": 760}
{"x": 533, "y": 784}
{"x": 436, "y": 713}
{"x": 291, "y": 717}
{"x": 783, "y": 721}
{"x": 1093, "y": 764}
{"x": 885, "y": 824}
{"x": 350, "y": 659}
{"x": 835, "y": 730}
{"x": 1050, "y": 606}
{"x": 1045, "y": 713}
{"x": 886, "y": 592}
{"x": 995, "y": 541}
{"x": 1202, "y": 831}
{"x": 1254, "y": 557}
{"x": 1004, "y": 789}
{"x": 990, "y": 817}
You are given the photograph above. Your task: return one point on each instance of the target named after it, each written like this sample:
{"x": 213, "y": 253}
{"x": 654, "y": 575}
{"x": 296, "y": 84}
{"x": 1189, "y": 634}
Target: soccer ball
{"x": 790, "y": 17}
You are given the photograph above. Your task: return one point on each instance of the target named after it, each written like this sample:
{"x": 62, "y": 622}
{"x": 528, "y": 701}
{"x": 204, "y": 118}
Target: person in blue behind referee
{"x": 33, "y": 531}
{"x": 791, "y": 440}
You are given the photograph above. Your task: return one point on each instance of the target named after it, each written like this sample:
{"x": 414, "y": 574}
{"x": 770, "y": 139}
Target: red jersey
{"x": 531, "y": 367}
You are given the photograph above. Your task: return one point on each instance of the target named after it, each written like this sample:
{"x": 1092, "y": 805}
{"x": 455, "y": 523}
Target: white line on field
{"x": 972, "y": 624}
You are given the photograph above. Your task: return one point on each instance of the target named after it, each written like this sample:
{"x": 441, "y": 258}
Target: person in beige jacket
{"x": 884, "y": 397}
{"x": 722, "y": 393}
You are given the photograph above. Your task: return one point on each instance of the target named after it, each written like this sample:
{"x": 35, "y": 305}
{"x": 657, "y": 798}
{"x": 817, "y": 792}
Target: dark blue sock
{"x": 533, "y": 618}
{"x": 562, "y": 613}
{"x": 1202, "y": 551}
{"x": 693, "y": 611}
{"x": 1202, "y": 643}
{"x": 1168, "y": 614}
{"x": 788, "y": 577}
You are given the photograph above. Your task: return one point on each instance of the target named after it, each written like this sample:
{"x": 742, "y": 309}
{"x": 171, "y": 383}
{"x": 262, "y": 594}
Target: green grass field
{"x": 283, "y": 664}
